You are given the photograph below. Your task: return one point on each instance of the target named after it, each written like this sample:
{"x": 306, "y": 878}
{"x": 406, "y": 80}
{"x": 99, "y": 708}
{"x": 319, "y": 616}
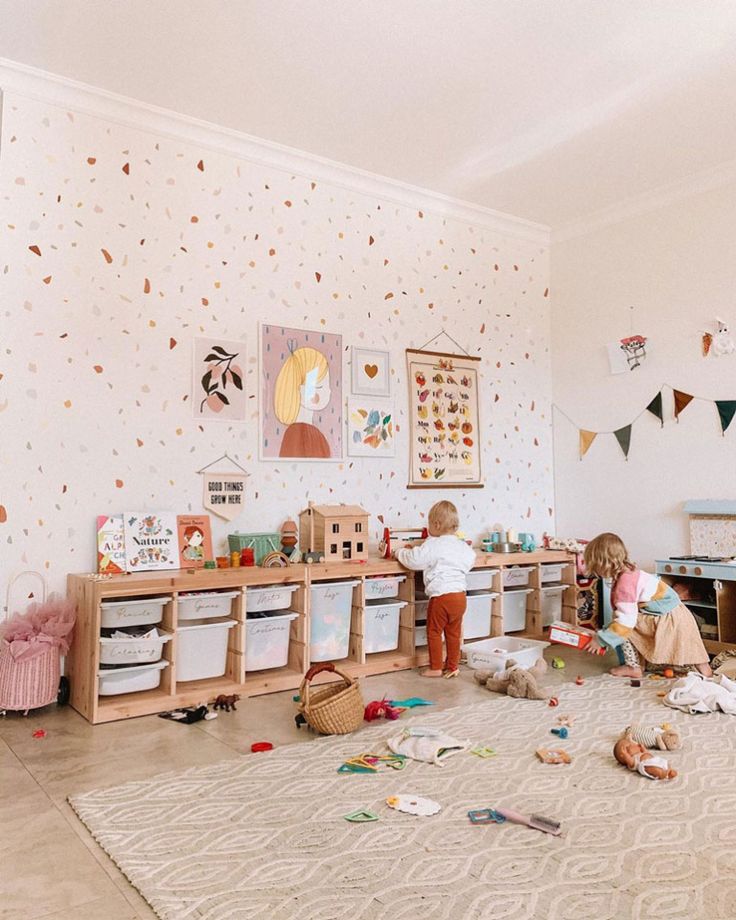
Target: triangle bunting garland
{"x": 682, "y": 401}
{"x": 726, "y": 411}
{"x": 623, "y": 436}
{"x": 655, "y": 407}
{"x": 586, "y": 439}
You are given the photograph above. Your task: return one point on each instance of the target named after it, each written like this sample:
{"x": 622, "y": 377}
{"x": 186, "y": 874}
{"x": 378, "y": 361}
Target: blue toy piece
{"x": 485, "y": 816}
{"x": 411, "y": 702}
{"x": 561, "y": 732}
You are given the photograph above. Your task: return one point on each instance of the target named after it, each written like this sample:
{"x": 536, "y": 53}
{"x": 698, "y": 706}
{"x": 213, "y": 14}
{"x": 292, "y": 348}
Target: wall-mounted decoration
{"x": 223, "y": 484}
{"x": 301, "y": 394}
{"x": 371, "y": 427}
{"x": 719, "y": 343}
{"x": 195, "y": 540}
{"x": 370, "y": 372}
{"x": 110, "y": 544}
{"x": 218, "y": 389}
{"x": 151, "y": 541}
{"x": 444, "y": 420}
{"x": 627, "y": 354}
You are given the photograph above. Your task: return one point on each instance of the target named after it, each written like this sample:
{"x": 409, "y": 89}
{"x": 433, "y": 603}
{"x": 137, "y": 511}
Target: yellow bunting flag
{"x": 586, "y": 439}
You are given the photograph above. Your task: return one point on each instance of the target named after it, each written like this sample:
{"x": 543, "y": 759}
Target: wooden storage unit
{"x": 89, "y": 591}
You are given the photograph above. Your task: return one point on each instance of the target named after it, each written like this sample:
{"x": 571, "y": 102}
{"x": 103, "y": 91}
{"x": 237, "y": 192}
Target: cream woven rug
{"x": 264, "y": 838}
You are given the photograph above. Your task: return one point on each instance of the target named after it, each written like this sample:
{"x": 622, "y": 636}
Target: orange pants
{"x": 445, "y": 616}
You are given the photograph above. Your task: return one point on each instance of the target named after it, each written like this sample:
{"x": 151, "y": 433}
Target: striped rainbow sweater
{"x": 632, "y": 593}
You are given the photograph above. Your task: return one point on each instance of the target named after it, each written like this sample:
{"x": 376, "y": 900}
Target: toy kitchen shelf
{"x": 708, "y": 590}
{"x": 90, "y": 591}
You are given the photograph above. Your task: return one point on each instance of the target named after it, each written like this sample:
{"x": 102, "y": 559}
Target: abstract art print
{"x": 371, "y": 427}
{"x": 444, "y": 417}
{"x": 301, "y": 394}
{"x": 218, "y": 387}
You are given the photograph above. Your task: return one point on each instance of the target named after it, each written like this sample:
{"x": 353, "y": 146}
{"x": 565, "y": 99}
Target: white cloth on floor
{"x": 695, "y": 693}
{"x": 428, "y": 749}
{"x": 653, "y": 761}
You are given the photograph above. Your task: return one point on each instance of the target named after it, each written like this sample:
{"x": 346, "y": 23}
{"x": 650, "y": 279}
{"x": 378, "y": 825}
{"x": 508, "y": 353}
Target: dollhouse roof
{"x": 335, "y": 511}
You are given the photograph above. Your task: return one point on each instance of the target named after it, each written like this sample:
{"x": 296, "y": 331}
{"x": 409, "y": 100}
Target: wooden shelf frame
{"x": 88, "y": 592}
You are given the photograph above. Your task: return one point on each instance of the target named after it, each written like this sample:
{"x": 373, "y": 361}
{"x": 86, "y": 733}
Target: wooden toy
{"x": 275, "y": 560}
{"x": 395, "y": 537}
{"x": 339, "y": 532}
{"x": 547, "y": 755}
{"x": 312, "y": 557}
{"x": 289, "y": 536}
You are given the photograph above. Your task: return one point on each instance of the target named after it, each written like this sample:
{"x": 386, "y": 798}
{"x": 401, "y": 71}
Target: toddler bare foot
{"x": 625, "y": 670}
{"x": 431, "y": 673}
{"x": 705, "y": 669}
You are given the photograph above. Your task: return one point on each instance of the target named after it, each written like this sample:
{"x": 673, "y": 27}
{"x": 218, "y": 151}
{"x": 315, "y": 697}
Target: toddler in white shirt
{"x": 445, "y": 560}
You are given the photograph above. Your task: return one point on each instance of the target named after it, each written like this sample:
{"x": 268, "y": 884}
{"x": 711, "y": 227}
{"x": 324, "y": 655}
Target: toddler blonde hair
{"x": 293, "y": 376}
{"x": 443, "y": 517}
{"x": 606, "y": 556}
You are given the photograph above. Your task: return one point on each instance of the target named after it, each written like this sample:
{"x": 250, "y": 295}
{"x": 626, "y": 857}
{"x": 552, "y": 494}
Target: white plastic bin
{"x": 201, "y": 649}
{"x": 514, "y": 609}
{"x": 131, "y": 679}
{"x": 267, "y": 641}
{"x": 380, "y": 588}
{"x": 517, "y": 576}
{"x": 493, "y": 654}
{"x": 551, "y": 603}
{"x": 420, "y": 633}
{"x": 381, "y": 632}
{"x": 331, "y": 604}
{"x": 204, "y": 605}
{"x": 480, "y": 579}
{"x": 552, "y": 571}
{"x": 132, "y": 611}
{"x": 133, "y": 650}
{"x": 272, "y": 597}
{"x": 477, "y": 619}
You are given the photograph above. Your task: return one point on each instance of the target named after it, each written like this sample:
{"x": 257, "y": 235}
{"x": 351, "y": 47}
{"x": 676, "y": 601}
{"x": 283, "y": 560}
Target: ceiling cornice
{"x": 22, "y": 80}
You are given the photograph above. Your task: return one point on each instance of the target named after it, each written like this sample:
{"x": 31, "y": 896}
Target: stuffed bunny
{"x": 515, "y": 681}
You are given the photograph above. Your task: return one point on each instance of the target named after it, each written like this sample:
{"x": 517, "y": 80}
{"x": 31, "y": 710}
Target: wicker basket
{"x": 28, "y": 684}
{"x": 336, "y": 709}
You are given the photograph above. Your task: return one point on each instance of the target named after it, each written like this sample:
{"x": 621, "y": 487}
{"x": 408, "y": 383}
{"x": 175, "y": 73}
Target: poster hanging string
{"x": 224, "y": 457}
{"x": 447, "y": 335}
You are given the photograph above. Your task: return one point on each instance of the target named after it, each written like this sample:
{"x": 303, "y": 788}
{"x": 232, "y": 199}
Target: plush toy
{"x": 662, "y": 737}
{"x": 381, "y": 709}
{"x": 637, "y": 758}
{"x": 515, "y": 681}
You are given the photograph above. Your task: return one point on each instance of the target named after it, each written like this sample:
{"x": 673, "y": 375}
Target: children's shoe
{"x": 450, "y": 674}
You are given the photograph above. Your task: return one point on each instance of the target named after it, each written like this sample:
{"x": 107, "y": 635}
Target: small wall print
{"x": 371, "y": 372}
{"x": 301, "y": 394}
{"x": 371, "y": 427}
{"x": 217, "y": 381}
{"x": 627, "y": 354}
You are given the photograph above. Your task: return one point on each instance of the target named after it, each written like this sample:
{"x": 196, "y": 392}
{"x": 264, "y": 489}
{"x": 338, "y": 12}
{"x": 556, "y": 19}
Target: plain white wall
{"x": 677, "y": 266}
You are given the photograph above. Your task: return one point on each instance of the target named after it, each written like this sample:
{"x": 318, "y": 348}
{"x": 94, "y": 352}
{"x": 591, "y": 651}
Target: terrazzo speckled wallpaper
{"x": 121, "y": 246}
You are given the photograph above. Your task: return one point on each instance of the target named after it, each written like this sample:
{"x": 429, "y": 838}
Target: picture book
{"x": 150, "y": 541}
{"x": 110, "y": 544}
{"x": 195, "y": 540}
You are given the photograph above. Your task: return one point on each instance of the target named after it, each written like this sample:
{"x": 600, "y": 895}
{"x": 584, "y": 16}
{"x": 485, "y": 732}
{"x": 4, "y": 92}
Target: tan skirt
{"x": 669, "y": 638}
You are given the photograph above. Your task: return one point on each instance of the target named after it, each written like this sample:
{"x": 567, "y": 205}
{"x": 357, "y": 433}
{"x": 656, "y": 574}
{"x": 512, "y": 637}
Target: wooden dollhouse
{"x": 338, "y": 532}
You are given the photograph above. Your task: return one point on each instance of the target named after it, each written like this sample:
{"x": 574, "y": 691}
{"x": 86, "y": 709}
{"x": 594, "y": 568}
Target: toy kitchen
{"x": 705, "y": 578}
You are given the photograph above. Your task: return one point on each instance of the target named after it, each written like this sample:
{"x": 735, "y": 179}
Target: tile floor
{"x": 49, "y": 865}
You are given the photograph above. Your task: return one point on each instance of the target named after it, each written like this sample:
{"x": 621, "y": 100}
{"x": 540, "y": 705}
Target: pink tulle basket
{"x": 28, "y": 684}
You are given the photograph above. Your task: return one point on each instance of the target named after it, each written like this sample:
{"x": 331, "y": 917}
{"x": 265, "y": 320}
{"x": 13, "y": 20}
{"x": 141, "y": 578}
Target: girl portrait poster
{"x": 301, "y": 394}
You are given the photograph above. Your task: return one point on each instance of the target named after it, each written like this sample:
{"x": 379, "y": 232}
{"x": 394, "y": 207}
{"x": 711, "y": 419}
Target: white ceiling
{"x": 546, "y": 109}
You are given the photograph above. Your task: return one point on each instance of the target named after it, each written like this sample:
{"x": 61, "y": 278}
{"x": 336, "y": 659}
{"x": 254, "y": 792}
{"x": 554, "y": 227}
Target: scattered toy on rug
{"x": 483, "y": 752}
{"x": 39, "y": 733}
{"x": 566, "y": 721}
{"x": 547, "y": 755}
{"x": 361, "y": 816}
{"x": 381, "y": 709}
{"x": 663, "y": 737}
{"x": 561, "y": 732}
{"x": 538, "y": 822}
{"x": 637, "y": 758}
{"x": 259, "y": 747}
{"x": 413, "y": 805}
{"x": 369, "y": 763}
{"x": 485, "y": 816}
{"x": 558, "y": 663}
{"x": 515, "y": 681}
{"x": 411, "y": 702}
{"x": 434, "y": 748}
{"x": 189, "y": 714}
{"x": 227, "y": 702}
{"x": 579, "y": 680}
{"x": 553, "y": 701}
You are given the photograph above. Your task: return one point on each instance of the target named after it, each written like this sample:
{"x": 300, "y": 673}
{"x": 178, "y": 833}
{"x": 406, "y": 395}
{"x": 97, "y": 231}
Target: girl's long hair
{"x": 606, "y": 556}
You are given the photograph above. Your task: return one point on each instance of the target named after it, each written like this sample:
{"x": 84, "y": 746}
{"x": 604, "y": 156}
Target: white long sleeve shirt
{"x": 445, "y": 561}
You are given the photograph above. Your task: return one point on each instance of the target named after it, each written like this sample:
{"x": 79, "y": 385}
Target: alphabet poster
{"x": 444, "y": 435}
{"x": 301, "y": 394}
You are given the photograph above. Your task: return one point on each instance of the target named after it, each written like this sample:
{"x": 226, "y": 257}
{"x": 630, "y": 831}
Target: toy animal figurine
{"x": 637, "y": 758}
{"x": 227, "y": 702}
{"x": 520, "y": 683}
{"x": 661, "y": 737}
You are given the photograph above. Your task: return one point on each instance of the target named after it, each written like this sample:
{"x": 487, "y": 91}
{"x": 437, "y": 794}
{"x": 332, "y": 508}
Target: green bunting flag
{"x": 726, "y": 411}
{"x": 655, "y": 407}
{"x": 623, "y": 436}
